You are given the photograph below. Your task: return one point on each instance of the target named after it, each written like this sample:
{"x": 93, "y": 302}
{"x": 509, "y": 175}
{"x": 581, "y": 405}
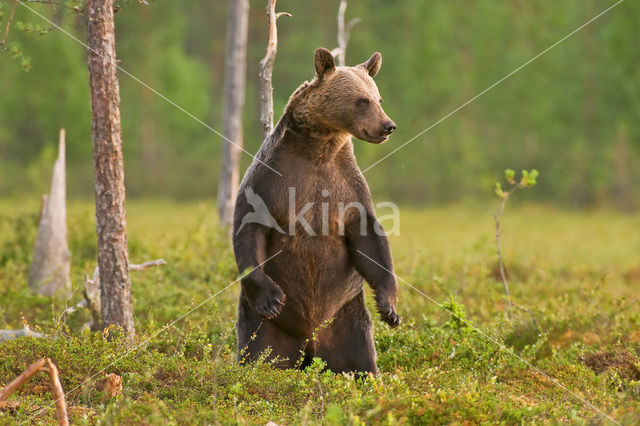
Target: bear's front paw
{"x": 269, "y": 304}
{"x": 389, "y": 315}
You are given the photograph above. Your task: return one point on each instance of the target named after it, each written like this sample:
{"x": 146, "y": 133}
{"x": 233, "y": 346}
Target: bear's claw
{"x": 389, "y": 315}
{"x": 269, "y": 306}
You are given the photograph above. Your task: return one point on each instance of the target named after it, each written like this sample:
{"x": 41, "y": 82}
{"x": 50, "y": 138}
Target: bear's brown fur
{"x": 306, "y": 275}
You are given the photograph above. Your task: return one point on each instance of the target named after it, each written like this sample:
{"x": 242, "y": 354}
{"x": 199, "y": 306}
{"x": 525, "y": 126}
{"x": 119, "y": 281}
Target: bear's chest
{"x": 316, "y": 200}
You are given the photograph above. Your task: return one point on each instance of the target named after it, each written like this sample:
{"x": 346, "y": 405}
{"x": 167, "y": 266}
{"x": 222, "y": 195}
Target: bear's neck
{"x": 316, "y": 142}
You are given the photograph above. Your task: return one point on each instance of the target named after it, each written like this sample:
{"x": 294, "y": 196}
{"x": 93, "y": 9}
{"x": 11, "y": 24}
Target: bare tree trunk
{"x": 149, "y": 136}
{"x": 585, "y": 191}
{"x": 49, "y": 271}
{"x": 113, "y": 258}
{"x": 344, "y": 31}
{"x": 234, "y": 85}
{"x": 266, "y": 70}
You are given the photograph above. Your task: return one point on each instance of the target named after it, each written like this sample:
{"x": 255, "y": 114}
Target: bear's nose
{"x": 389, "y": 127}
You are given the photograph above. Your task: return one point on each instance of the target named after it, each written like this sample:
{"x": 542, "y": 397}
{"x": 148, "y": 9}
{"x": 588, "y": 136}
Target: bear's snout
{"x": 389, "y": 127}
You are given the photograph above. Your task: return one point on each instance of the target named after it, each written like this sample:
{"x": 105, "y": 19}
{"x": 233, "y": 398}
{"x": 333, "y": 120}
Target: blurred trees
{"x": 234, "y": 89}
{"x": 572, "y": 113}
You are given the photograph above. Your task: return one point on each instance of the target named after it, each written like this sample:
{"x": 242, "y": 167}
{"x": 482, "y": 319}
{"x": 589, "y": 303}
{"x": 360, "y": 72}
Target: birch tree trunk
{"x": 106, "y": 133}
{"x": 234, "y": 87}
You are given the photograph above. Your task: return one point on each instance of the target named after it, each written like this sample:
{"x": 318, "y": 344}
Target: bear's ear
{"x": 324, "y": 62}
{"x": 373, "y": 64}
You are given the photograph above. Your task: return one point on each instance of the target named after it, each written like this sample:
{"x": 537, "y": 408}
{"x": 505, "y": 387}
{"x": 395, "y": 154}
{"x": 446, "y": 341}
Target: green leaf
{"x": 509, "y": 174}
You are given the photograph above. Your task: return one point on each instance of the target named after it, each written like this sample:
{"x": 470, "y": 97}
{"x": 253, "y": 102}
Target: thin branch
{"x": 58, "y": 393}
{"x": 266, "y": 70}
{"x": 46, "y": 365}
{"x": 147, "y": 265}
{"x": 499, "y": 251}
{"x": 6, "y": 30}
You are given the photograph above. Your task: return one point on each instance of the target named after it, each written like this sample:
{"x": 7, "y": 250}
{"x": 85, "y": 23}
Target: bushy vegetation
{"x": 576, "y": 319}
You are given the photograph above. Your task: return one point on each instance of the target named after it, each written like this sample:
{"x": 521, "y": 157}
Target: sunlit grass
{"x": 571, "y": 275}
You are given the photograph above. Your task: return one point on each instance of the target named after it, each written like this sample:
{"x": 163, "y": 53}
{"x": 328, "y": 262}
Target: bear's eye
{"x": 362, "y": 102}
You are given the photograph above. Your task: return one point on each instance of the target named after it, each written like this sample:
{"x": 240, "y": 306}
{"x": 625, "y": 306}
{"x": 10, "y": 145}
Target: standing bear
{"x": 305, "y": 231}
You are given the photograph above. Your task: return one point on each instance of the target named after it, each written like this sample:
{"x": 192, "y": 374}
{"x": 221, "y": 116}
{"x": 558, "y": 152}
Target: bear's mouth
{"x": 375, "y": 139}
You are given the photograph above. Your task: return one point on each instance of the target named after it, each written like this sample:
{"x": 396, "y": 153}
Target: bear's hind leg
{"x": 256, "y": 335}
{"x": 346, "y": 345}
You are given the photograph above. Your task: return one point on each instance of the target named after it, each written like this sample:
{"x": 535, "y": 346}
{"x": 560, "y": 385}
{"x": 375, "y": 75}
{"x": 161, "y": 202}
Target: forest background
{"x": 573, "y": 113}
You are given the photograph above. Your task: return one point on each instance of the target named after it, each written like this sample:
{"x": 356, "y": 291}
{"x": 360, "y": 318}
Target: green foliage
{"x": 16, "y": 53}
{"x": 458, "y": 319}
{"x": 571, "y": 111}
{"x": 529, "y": 179}
{"x": 31, "y": 27}
{"x": 581, "y": 327}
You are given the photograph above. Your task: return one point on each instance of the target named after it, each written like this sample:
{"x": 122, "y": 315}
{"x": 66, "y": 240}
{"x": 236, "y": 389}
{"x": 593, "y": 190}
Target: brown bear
{"x": 309, "y": 234}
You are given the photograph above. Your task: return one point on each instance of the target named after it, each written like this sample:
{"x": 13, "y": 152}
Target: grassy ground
{"x": 574, "y": 278}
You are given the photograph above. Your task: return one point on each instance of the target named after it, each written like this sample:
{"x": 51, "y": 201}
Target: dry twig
{"x": 503, "y": 275}
{"x": 6, "y": 29}
{"x": 46, "y": 365}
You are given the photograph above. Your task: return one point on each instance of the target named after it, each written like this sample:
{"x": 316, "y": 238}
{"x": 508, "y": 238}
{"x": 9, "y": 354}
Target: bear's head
{"x": 346, "y": 99}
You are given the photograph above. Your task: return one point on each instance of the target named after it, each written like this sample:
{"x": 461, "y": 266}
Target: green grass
{"x": 572, "y": 276}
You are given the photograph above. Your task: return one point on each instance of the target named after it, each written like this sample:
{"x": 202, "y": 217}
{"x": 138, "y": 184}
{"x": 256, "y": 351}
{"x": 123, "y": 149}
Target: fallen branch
{"x": 18, "y": 381}
{"x": 266, "y": 70}
{"x": 57, "y": 392}
{"x": 46, "y": 365}
{"x": 14, "y": 334}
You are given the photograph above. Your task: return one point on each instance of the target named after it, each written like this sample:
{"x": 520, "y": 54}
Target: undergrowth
{"x": 576, "y": 320}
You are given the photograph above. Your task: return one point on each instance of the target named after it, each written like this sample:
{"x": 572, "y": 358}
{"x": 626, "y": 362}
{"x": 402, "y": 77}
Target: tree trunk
{"x": 234, "y": 82}
{"x": 266, "y": 70}
{"x": 115, "y": 287}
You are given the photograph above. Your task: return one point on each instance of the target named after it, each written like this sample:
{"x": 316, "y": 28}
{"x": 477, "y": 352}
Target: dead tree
{"x": 266, "y": 70}
{"x": 234, "y": 88}
{"x": 49, "y": 270}
{"x": 344, "y": 30}
{"x": 92, "y": 292}
{"x": 106, "y": 133}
